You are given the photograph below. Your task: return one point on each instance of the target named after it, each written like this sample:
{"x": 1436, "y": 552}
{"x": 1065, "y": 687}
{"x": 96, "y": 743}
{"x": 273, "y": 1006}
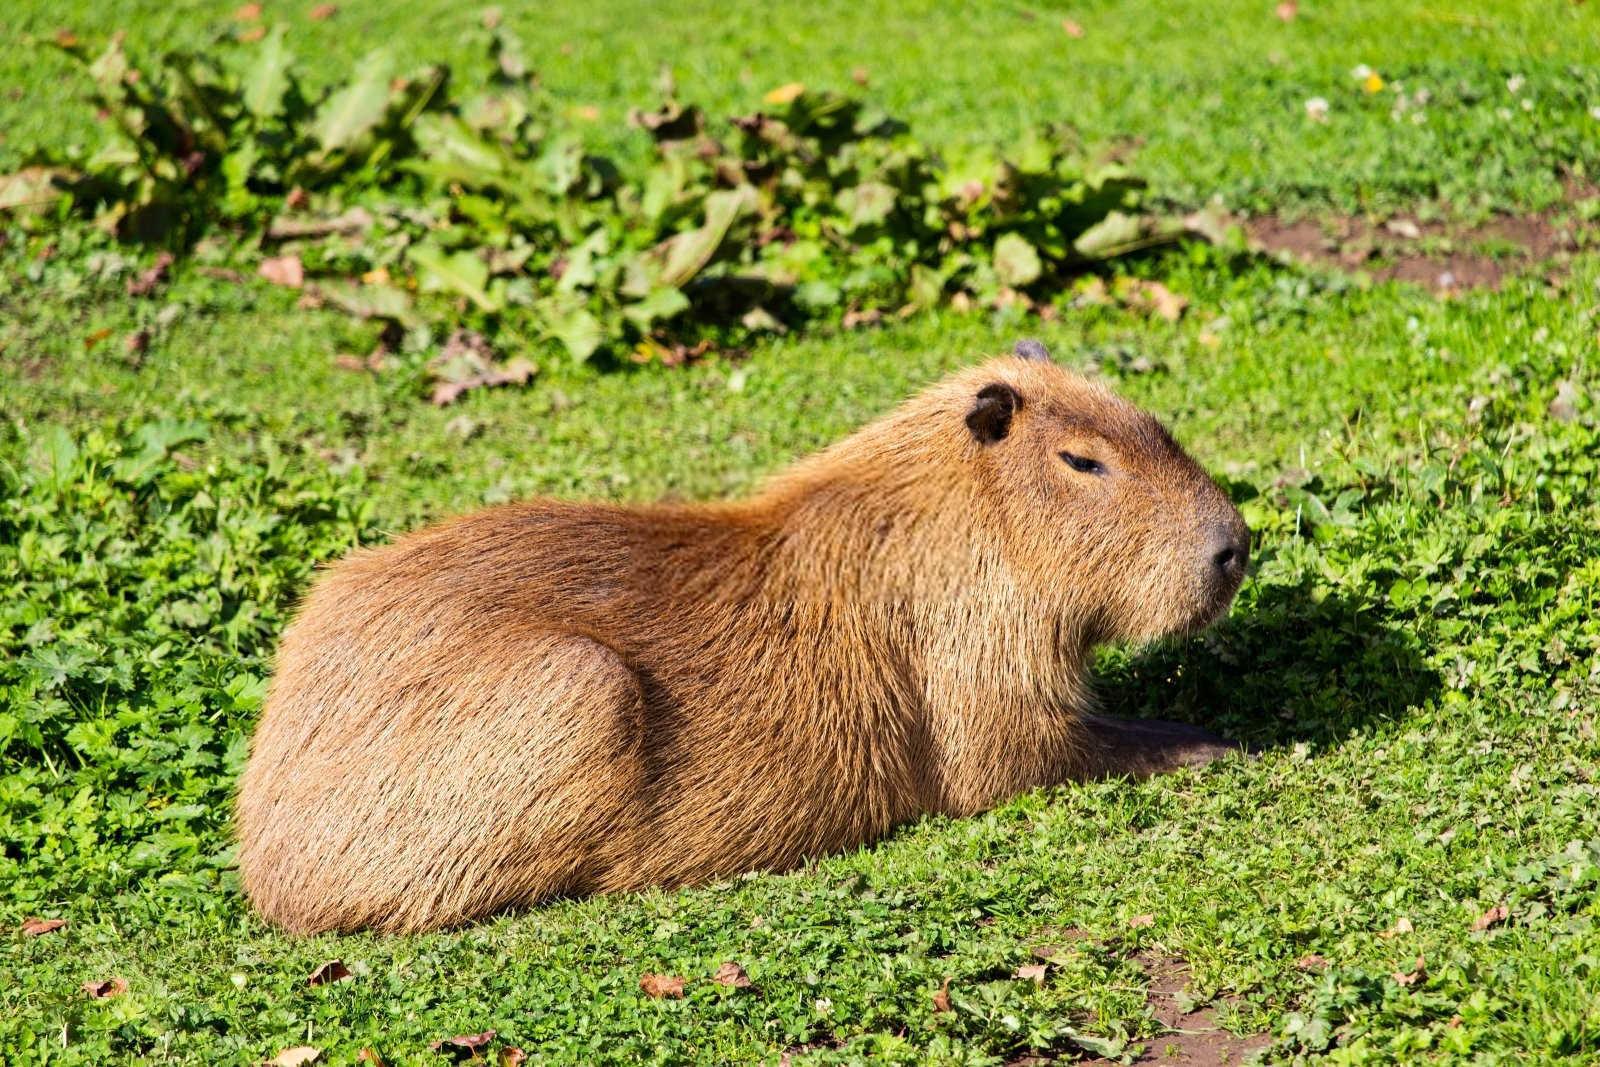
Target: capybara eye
{"x": 1083, "y": 464}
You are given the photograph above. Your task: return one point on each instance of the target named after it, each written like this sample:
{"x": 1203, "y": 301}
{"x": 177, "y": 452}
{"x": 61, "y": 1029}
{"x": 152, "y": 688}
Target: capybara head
{"x": 1102, "y": 506}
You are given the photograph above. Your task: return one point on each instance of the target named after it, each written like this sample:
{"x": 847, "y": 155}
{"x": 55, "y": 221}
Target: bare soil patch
{"x": 1193, "y": 1038}
{"x": 1443, "y": 257}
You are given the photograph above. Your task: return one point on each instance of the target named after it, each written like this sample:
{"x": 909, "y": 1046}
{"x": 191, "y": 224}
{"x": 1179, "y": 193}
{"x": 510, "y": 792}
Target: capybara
{"x": 553, "y": 698}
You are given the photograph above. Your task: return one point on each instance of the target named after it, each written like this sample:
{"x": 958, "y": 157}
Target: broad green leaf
{"x": 1118, "y": 234}
{"x": 1016, "y": 263}
{"x": 266, "y": 83}
{"x": 32, "y": 188}
{"x": 687, "y": 254}
{"x": 868, "y": 204}
{"x": 579, "y": 331}
{"x": 464, "y": 273}
{"x": 352, "y": 112}
{"x": 659, "y": 306}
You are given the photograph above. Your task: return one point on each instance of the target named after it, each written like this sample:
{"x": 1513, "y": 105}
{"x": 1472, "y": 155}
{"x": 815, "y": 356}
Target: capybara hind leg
{"x": 490, "y": 792}
{"x": 1139, "y": 748}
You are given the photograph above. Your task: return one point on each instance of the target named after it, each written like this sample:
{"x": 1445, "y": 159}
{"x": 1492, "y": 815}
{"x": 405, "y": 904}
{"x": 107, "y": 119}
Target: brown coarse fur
{"x": 547, "y": 698}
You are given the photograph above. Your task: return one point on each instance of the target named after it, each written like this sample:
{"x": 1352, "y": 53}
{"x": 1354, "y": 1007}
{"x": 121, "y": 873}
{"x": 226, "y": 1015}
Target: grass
{"x": 1415, "y": 650}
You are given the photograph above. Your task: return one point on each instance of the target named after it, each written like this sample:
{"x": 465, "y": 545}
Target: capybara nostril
{"x": 1230, "y": 549}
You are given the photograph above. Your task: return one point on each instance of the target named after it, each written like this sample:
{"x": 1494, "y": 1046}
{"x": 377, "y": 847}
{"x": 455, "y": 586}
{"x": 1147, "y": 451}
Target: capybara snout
{"x": 551, "y": 698}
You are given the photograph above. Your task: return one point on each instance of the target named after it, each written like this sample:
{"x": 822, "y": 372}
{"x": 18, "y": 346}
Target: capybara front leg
{"x": 1139, "y": 748}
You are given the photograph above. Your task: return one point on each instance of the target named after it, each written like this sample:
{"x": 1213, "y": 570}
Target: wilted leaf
{"x": 579, "y": 331}
{"x": 332, "y": 971}
{"x": 137, "y": 342}
{"x": 351, "y": 113}
{"x": 106, "y": 988}
{"x": 149, "y": 279}
{"x": 298, "y": 1056}
{"x": 247, "y": 12}
{"x": 868, "y": 204}
{"x": 658, "y": 305}
{"x": 1311, "y": 961}
{"x": 661, "y": 985}
{"x": 731, "y": 974}
{"x": 33, "y": 188}
{"x": 516, "y": 372}
{"x": 1163, "y": 301}
{"x": 511, "y": 1056}
{"x": 941, "y": 997}
{"x": 372, "y": 1056}
{"x": 1072, "y": 29}
{"x": 1402, "y": 925}
{"x": 686, "y": 254}
{"x": 1495, "y": 915}
{"x": 283, "y": 270}
{"x": 1417, "y": 974}
{"x": 784, "y": 94}
{"x": 266, "y": 82}
{"x": 1141, "y": 921}
{"x": 1287, "y": 10}
{"x": 1119, "y": 233}
{"x": 1016, "y": 262}
{"x": 371, "y": 301}
{"x": 1033, "y": 972}
{"x": 283, "y": 228}
{"x": 35, "y": 927}
{"x": 466, "y": 1042}
{"x": 322, "y": 12}
{"x": 1564, "y": 406}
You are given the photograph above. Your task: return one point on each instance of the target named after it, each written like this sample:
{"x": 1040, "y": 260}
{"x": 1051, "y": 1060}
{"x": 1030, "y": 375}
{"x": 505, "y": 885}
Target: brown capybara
{"x": 554, "y": 698}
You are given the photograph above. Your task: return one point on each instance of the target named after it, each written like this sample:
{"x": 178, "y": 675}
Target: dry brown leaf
{"x": 146, "y": 282}
{"x": 297, "y": 199}
{"x": 587, "y": 112}
{"x": 254, "y": 33}
{"x": 328, "y": 973}
{"x": 860, "y": 76}
{"x": 1418, "y": 973}
{"x": 1140, "y": 921}
{"x": 661, "y": 985}
{"x": 470, "y": 1042}
{"x": 372, "y": 1056}
{"x": 106, "y": 988}
{"x": 34, "y": 927}
{"x": 283, "y": 270}
{"x": 868, "y": 317}
{"x": 66, "y": 38}
{"x": 1401, "y": 925}
{"x": 1034, "y": 972}
{"x": 1497, "y": 914}
{"x": 298, "y": 1056}
{"x": 247, "y": 13}
{"x": 94, "y": 337}
{"x": 137, "y": 342}
{"x": 1074, "y": 30}
{"x": 941, "y": 997}
{"x": 322, "y": 12}
{"x": 1287, "y": 11}
{"x": 784, "y": 94}
{"x": 511, "y": 1056}
{"x": 1311, "y": 961}
{"x": 353, "y": 221}
{"x": 731, "y": 974}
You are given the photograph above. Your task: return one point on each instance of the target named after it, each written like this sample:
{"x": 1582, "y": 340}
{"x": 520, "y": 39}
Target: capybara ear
{"x": 1030, "y": 348}
{"x": 990, "y": 417}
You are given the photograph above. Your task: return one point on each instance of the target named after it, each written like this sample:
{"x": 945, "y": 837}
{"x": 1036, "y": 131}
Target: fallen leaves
{"x": 247, "y": 13}
{"x": 462, "y": 1042}
{"x": 1072, "y": 29}
{"x": 467, "y": 362}
{"x": 732, "y": 975}
{"x": 1401, "y": 925}
{"x": 283, "y": 270}
{"x": 1493, "y": 917}
{"x": 298, "y": 1056}
{"x": 511, "y": 1056}
{"x": 322, "y": 12}
{"x": 1287, "y": 11}
{"x": 106, "y": 988}
{"x": 1311, "y": 961}
{"x": 784, "y": 94}
{"x": 34, "y": 927}
{"x": 328, "y": 973}
{"x": 149, "y": 279}
{"x": 941, "y": 997}
{"x": 661, "y": 986}
{"x": 1139, "y": 922}
{"x": 1033, "y": 972}
{"x": 1418, "y": 972}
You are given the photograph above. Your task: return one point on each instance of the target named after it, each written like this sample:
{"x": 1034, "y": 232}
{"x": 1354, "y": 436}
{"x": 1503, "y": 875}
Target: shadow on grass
{"x": 1289, "y": 664}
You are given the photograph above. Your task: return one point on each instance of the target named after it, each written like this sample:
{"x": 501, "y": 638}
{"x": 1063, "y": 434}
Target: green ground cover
{"x": 1417, "y": 650}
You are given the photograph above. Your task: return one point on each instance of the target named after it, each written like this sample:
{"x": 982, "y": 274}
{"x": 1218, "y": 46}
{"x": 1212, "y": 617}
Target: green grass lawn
{"x": 1416, "y": 652}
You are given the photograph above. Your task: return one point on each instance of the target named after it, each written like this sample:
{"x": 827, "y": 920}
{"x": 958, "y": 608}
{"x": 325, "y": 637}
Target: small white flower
{"x": 1515, "y": 83}
{"x": 1418, "y": 118}
{"x": 1594, "y": 112}
{"x": 1422, "y": 96}
{"x": 1527, "y": 105}
{"x": 1361, "y": 72}
{"x": 1317, "y": 109}
{"x": 1503, "y": 112}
